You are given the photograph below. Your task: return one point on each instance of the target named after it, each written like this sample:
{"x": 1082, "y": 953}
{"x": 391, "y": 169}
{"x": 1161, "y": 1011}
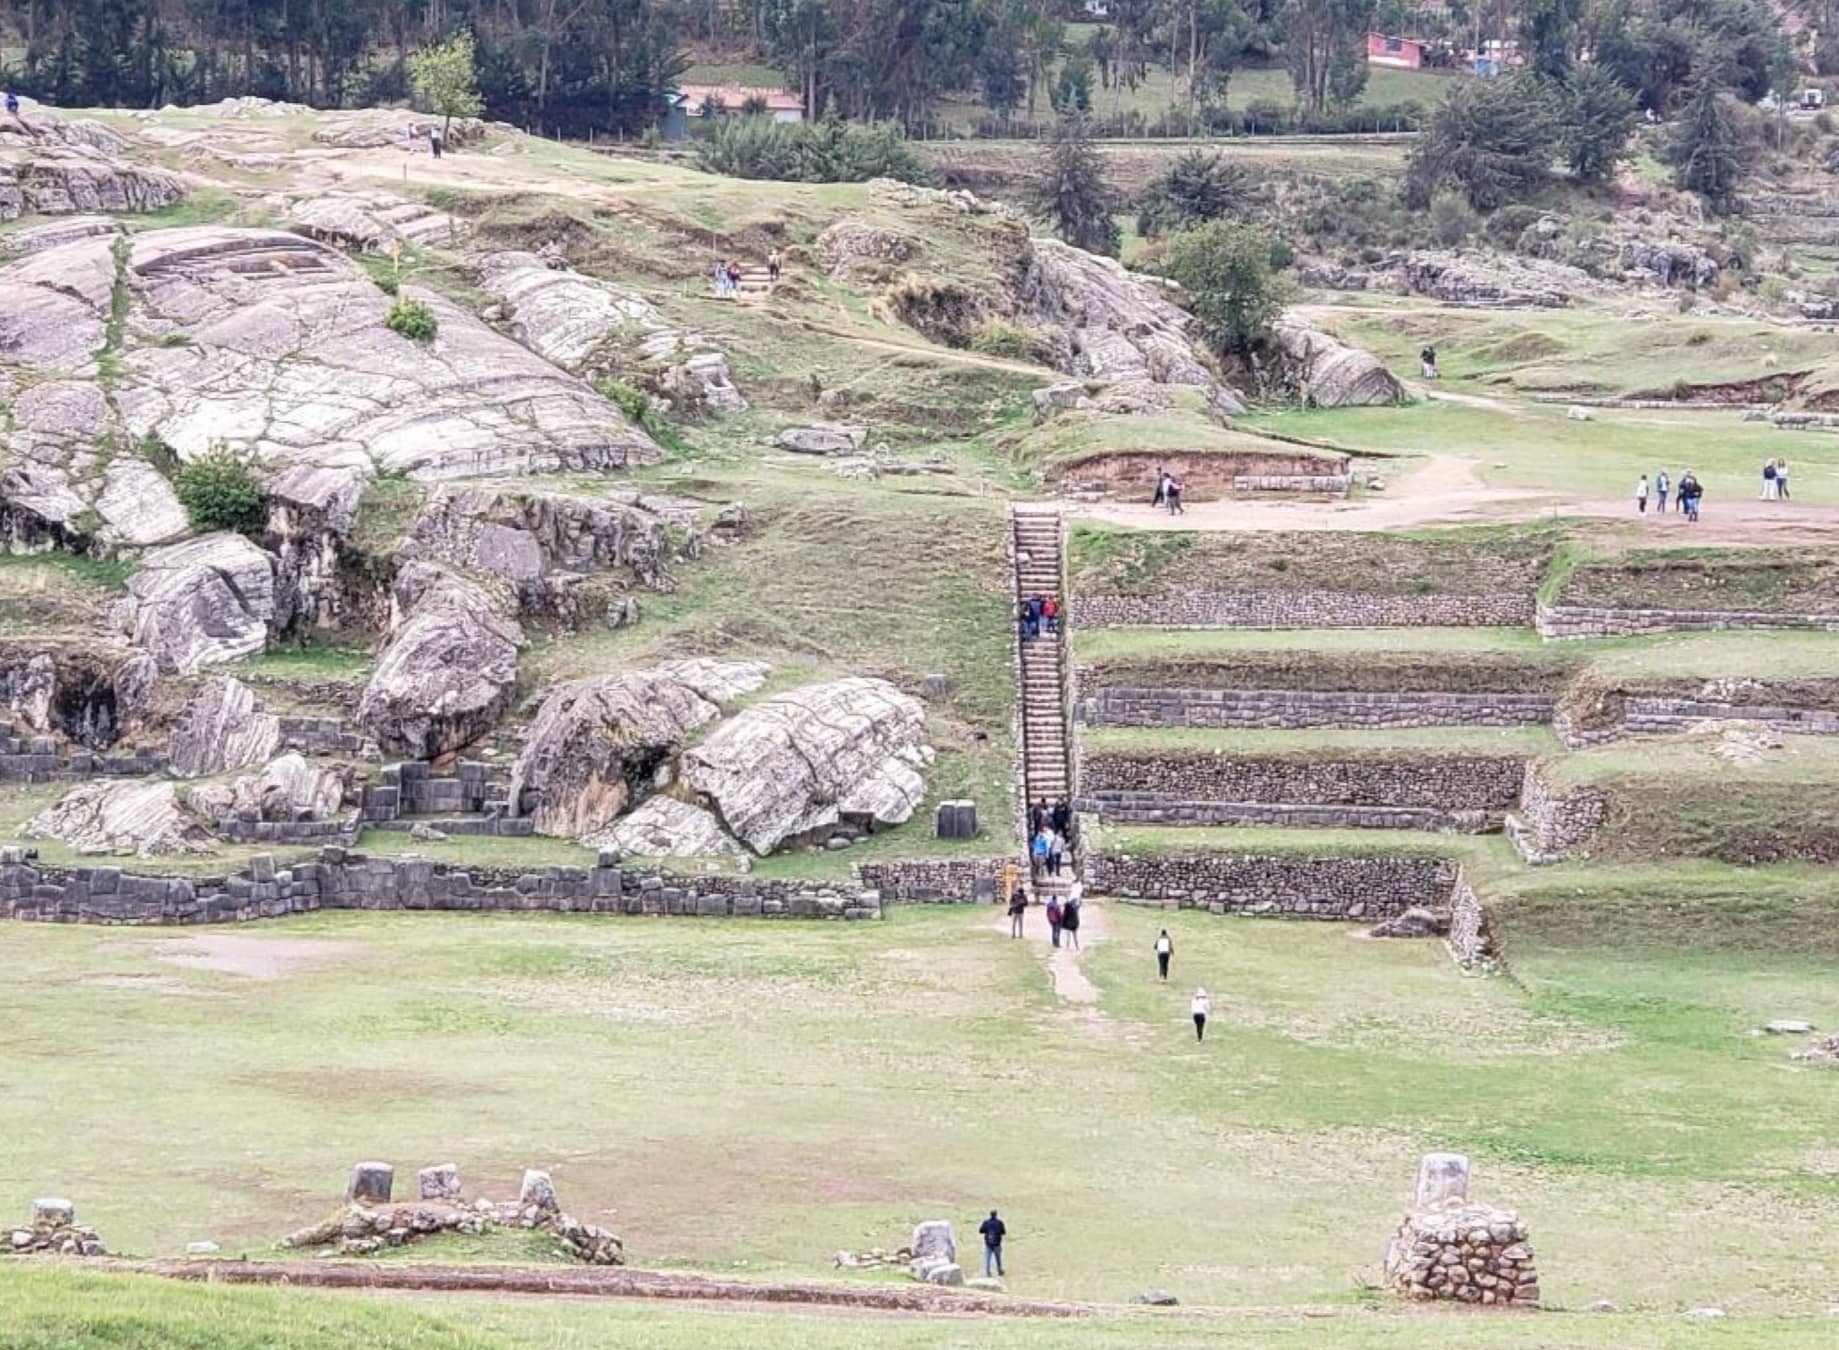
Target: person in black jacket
{"x": 993, "y": 1230}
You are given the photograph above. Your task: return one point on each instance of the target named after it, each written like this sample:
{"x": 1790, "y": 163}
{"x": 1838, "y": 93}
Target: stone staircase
{"x": 756, "y": 286}
{"x": 1037, "y": 546}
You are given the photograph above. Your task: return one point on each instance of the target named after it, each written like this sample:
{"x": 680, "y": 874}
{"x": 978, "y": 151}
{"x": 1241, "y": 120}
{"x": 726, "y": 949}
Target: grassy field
{"x": 744, "y": 1099}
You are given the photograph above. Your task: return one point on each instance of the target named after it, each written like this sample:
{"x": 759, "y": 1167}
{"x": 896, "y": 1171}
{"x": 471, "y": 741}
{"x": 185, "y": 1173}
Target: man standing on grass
{"x": 1165, "y": 948}
{"x": 993, "y": 1230}
{"x": 1018, "y": 906}
{"x": 1641, "y": 495}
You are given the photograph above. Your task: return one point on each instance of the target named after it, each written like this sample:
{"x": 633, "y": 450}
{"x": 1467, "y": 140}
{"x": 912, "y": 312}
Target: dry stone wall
{"x": 26, "y": 758}
{"x": 1653, "y": 714}
{"x": 1291, "y": 708}
{"x": 1469, "y": 938}
{"x": 1299, "y": 609}
{"x": 1584, "y": 621}
{"x": 1287, "y": 885}
{"x": 340, "y": 879}
{"x": 955, "y": 881}
{"x": 1178, "y": 788}
{"x": 1556, "y": 823}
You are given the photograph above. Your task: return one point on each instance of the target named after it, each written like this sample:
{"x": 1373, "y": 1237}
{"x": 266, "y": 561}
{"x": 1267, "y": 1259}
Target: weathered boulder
{"x": 200, "y": 602}
{"x": 1333, "y": 374}
{"x": 288, "y": 788}
{"x": 1052, "y": 398}
{"x": 220, "y": 729}
{"x": 1415, "y": 922}
{"x": 122, "y": 815}
{"x": 822, "y": 438}
{"x": 810, "y": 757}
{"x": 1472, "y": 277}
{"x": 53, "y": 167}
{"x": 934, "y": 1239}
{"x": 138, "y": 506}
{"x": 663, "y": 827}
{"x": 519, "y": 532}
{"x": 440, "y": 1182}
{"x": 375, "y": 128}
{"x": 276, "y": 345}
{"x": 597, "y": 744}
{"x": 585, "y": 325}
{"x": 372, "y": 221}
{"x": 447, "y": 675}
{"x": 851, "y": 248}
{"x": 52, "y": 233}
{"x": 1116, "y": 325}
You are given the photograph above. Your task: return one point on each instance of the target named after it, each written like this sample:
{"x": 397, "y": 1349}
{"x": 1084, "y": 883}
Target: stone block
{"x": 370, "y": 1184}
{"x": 934, "y": 1238}
{"x": 53, "y": 1212}
{"x": 440, "y": 1182}
{"x": 537, "y": 1191}
{"x": 955, "y": 820}
{"x": 1441, "y": 1176}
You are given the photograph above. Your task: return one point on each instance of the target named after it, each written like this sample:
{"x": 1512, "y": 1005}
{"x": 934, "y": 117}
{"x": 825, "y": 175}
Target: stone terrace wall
{"x": 955, "y": 881}
{"x": 25, "y": 758}
{"x": 1449, "y": 783}
{"x": 1556, "y": 822}
{"x": 325, "y": 736}
{"x": 1299, "y": 609}
{"x": 1655, "y": 714}
{"x": 1470, "y": 941}
{"x": 1285, "y": 885}
{"x": 1289, "y": 708}
{"x": 1583, "y": 621}
{"x": 343, "y": 880}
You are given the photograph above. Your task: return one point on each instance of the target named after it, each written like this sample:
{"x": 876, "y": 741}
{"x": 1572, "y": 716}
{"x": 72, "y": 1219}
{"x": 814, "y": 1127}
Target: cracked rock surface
{"x": 663, "y": 827}
{"x": 50, "y": 166}
{"x": 219, "y": 729}
{"x": 810, "y": 757}
{"x": 122, "y": 816}
{"x": 201, "y": 602}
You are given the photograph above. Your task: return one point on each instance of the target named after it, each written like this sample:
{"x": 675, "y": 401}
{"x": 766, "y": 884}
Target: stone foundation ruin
{"x": 53, "y": 1231}
{"x": 1449, "y": 1247}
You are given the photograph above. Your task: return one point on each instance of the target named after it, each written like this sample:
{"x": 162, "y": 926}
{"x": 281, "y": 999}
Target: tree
{"x": 1326, "y": 42}
{"x": 999, "y": 72}
{"x": 1074, "y": 194}
{"x": 1598, "y": 117}
{"x": 1072, "y": 91}
{"x": 219, "y": 492}
{"x": 445, "y": 79}
{"x": 1224, "y": 271}
{"x": 1549, "y": 27}
{"x": 1707, "y": 150}
{"x": 1200, "y": 186}
{"x": 1493, "y": 140}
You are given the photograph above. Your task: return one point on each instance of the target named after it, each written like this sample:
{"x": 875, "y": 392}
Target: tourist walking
{"x": 1199, "y": 1007}
{"x": 1174, "y": 497}
{"x": 1768, "y": 481}
{"x": 734, "y": 277}
{"x": 1427, "y": 362}
{"x": 1641, "y": 494}
{"x": 1661, "y": 484}
{"x": 1038, "y": 851}
{"x": 1039, "y": 817}
{"x": 721, "y": 279}
{"x": 1050, "y": 614}
{"x": 1165, "y": 948}
{"x": 434, "y": 142}
{"x": 1018, "y": 909}
{"x": 994, "y": 1231}
{"x": 1162, "y": 488}
{"x": 1061, "y": 817}
{"x": 1069, "y": 918}
{"x": 1781, "y": 479}
{"x": 1054, "y": 918}
{"x": 1689, "y": 494}
{"x": 1056, "y": 851}
{"x": 772, "y": 267}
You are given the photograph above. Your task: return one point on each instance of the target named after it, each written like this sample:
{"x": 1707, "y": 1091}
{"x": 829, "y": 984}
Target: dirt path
{"x": 1065, "y": 969}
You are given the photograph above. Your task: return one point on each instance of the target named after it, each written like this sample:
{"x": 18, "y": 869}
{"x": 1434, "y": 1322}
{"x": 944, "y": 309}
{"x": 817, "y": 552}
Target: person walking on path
{"x": 1165, "y": 948}
{"x": 1768, "y": 481}
{"x": 1162, "y": 488}
{"x": 772, "y": 267}
{"x": 1054, "y": 916}
{"x": 1056, "y": 853}
{"x": 1039, "y": 853}
{"x": 1641, "y": 494}
{"x": 1018, "y": 908}
{"x": 1200, "y": 1007}
{"x": 994, "y": 1230}
{"x": 1427, "y": 363}
{"x": 1661, "y": 484}
{"x": 1061, "y": 817}
{"x": 434, "y": 142}
{"x": 1174, "y": 498}
{"x": 1781, "y": 479}
{"x": 1689, "y": 494}
{"x": 1069, "y": 920}
{"x": 1050, "y": 613}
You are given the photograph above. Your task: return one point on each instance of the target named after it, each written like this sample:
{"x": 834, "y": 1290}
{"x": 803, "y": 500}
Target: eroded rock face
{"x": 447, "y": 675}
{"x": 372, "y": 221}
{"x": 204, "y": 601}
{"x": 663, "y": 827}
{"x": 53, "y": 167}
{"x": 310, "y": 511}
{"x": 219, "y": 729}
{"x": 373, "y": 128}
{"x": 822, "y": 438}
{"x": 810, "y": 757}
{"x": 276, "y": 346}
{"x": 584, "y": 325}
{"x": 1116, "y": 325}
{"x": 122, "y": 816}
{"x": 852, "y": 248}
{"x": 518, "y": 532}
{"x": 91, "y": 692}
{"x": 596, "y": 745}
{"x": 288, "y": 788}
{"x": 1471, "y": 277}
{"x": 1334, "y": 374}
{"x": 138, "y": 506}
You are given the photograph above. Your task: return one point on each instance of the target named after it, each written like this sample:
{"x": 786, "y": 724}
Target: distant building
{"x": 1398, "y": 52}
{"x": 701, "y": 100}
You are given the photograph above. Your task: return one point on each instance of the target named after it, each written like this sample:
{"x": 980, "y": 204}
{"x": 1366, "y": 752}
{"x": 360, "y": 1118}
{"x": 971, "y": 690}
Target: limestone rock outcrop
{"x": 853, "y": 249}
{"x": 1114, "y": 324}
{"x": 200, "y": 602}
{"x": 1473, "y": 278}
{"x": 1333, "y": 374}
{"x": 447, "y": 675}
{"x": 811, "y": 757}
{"x": 597, "y": 744}
{"x": 89, "y": 691}
{"x": 663, "y": 827}
{"x": 220, "y": 729}
{"x": 587, "y": 326}
{"x": 288, "y": 788}
{"x": 822, "y": 438}
{"x": 51, "y": 167}
{"x": 374, "y": 128}
{"x": 276, "y": 346}
{"x": 135, "y": 816}
{"x": 372, "y": 221}
{"x": 138, "y": 506}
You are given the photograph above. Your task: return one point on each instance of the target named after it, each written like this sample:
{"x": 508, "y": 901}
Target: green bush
{"x": 220, "y": 492}
{"x": 1224, "y": 270}
{"x": 412, "y": 319}
{"x": 1452, "y": 219}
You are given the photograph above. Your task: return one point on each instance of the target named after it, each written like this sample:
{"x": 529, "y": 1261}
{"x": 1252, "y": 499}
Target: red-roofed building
{"x": 1401, "y": 53}
{"x": 703, "y": 99}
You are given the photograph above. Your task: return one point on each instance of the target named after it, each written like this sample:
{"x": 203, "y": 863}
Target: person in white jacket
{"x": 1200, "y": 1007}
{"x": 1165, "y": 948}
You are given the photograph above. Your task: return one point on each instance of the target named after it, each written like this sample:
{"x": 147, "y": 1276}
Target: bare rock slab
{"x": 220, "y": 729}
{"x": 201, "y": 602}
{"x": 122, "y": 816}
{"x": 663, "y": 827}
{"x": 1334, "y": 374}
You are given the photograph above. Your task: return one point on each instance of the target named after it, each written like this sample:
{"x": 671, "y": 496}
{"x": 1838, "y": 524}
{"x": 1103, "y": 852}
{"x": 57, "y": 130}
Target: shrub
{"x": 1506, "y": 225}
{"x": 220, "y": 492}
{"x": 995, "y": 337}
{"x": 412, "y": 319}
{"x": 1452, "y": 220}
{"x": 1199, "y": 186}
{"x": 1282, "y": 255}
{"x": 1225, "y": 270}
{"x": 830, "y": 151}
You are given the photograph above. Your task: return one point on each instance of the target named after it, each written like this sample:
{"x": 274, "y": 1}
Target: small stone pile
{"x": 1825, "y": 1050}
{"x": 872, "y": 1258}
{"x": 935, "y": 1253}
{"x": 54, "y": 1230}
{"x": 1450, "y": 1247}
{"x": 370, "y": 1222}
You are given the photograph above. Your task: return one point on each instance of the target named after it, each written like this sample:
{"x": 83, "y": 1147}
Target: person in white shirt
{"x": 1200, "y": 1007}
{"x": 1641, "y": 495}
{"x": 1165, "y": 948}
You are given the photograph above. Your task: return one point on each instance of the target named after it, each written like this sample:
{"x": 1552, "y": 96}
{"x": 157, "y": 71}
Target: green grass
{"x": 386, "y": 510}
{"x": 739, "y": 1097}
{"x": 1319, "y": 742}
{"x": 480, "y": 850}
{"x": 345, "y": 658}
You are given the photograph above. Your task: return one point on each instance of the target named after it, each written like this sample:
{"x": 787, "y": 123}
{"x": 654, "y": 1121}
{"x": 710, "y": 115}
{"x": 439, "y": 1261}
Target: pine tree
{"x": 1491, "y": 139}
{"x": 1707, "y": 150}
{"x": 1074, "y": 194}
{"x": 1200, "y": 185}
{"x": 1598, "y": 114}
